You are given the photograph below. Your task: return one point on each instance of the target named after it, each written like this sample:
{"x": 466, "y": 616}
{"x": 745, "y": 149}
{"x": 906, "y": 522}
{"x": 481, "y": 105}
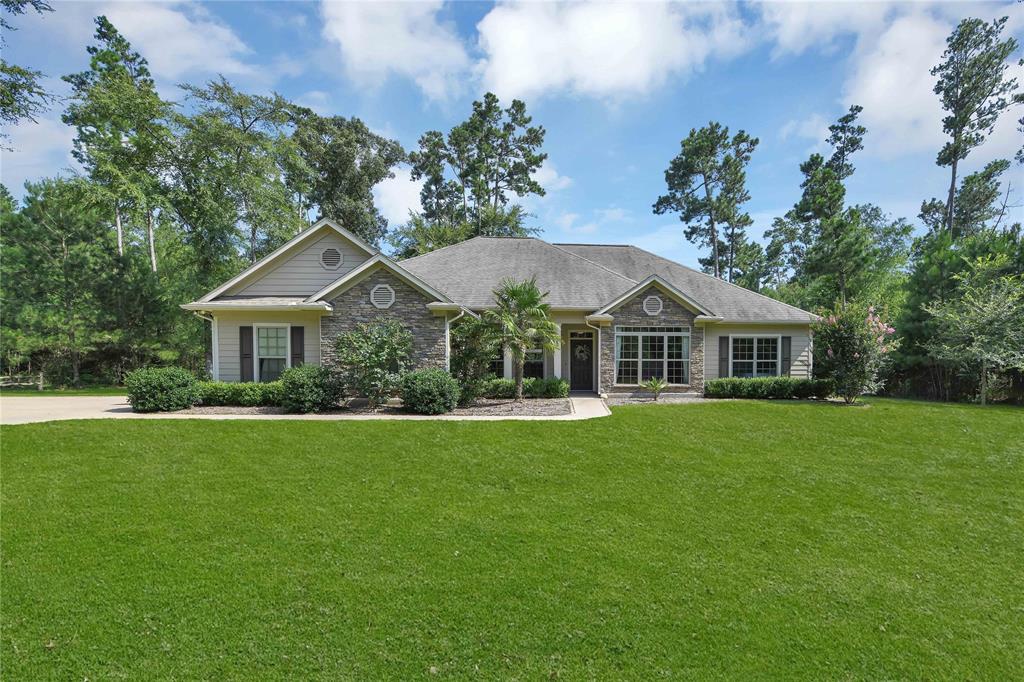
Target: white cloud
{"x": 602, "y": 50}
{"x": 396, "y": 196}
{"x": 406, "y": 39}
{"x": 40, "y": 150}
{"x": 613, "y": 214}
{"x": 813, "y": 127}
{"x": 317, "y": 100}
{"x": 549, "y": 178}
{"x": 179, "y": 38}
{"x": 795, "y": 27}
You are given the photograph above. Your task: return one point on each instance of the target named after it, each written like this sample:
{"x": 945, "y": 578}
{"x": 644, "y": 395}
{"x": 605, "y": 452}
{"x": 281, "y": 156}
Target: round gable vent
{"x": 652, "y": 305}
{"x": 331, "y": 258}
{"x": 382, "y": 296}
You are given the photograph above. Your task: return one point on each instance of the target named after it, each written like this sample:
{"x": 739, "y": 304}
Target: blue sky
{"x": 615, "y": 85}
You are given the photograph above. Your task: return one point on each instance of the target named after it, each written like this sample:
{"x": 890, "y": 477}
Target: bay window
{"x": 643, "y": 353}
{"x": 754, "y": 356}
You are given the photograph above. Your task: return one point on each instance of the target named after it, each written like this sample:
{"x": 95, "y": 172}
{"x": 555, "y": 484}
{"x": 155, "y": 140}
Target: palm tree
{"x": 520, "y": 322}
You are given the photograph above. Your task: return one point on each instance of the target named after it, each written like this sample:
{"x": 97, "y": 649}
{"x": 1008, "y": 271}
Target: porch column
{"x": 507, "y": 366}
{"x": 557, "y": 355}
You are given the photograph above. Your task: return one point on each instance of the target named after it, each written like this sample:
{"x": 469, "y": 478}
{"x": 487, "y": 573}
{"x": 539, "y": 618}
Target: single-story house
{"x": 625, "y": 314}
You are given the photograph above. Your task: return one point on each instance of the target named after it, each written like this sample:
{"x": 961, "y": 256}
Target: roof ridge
{"x": 722, "y": 281}
{"x": 582, "y": 258}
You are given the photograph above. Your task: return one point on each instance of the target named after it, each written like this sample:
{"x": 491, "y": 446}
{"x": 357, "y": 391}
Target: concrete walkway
{"x": 20, "y": 410}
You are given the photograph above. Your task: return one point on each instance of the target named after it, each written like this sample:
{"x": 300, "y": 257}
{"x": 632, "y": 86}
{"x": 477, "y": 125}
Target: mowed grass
{"x": 733, "y": 540}
{"x": 28, "y": 391}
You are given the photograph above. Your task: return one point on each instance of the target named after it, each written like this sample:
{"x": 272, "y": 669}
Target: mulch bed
{"x": 534, "y": 407}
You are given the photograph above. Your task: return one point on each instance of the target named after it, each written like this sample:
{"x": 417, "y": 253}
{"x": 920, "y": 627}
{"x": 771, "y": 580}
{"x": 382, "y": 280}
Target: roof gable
{"x": 290, "y": 282}
{"x": 354, "y": 276}
{"x": 664, "y": 286}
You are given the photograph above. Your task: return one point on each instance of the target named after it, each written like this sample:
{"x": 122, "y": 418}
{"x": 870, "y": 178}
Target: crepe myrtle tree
{"x": 521, "y": 322}
{"x": 850, "y": 349}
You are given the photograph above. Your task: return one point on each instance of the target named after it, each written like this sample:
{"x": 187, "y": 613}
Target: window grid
{"x": 643, "y": 353}
{"x": 755, "y": 356}
{"x": 271, "y": 352}
{"x": 533, "y": 364}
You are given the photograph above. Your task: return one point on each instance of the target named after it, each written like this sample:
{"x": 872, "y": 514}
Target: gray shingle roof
{"x": 470, "y": 271}
{"x": 585, "y": 276}
{"x": 730, "y": 301}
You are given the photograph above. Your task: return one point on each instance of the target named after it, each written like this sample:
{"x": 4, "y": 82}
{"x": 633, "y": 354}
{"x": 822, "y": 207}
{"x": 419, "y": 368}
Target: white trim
{"x": 658, "y": 303}
{"x": 506, "y": 367}
{"x": 684, "y": 330}
{"x": 269, "y": 307}
{"x": 215, "y": 340}
{"x": 256, "y": 346}
{"x": 778, "y": 351}
{"x": 351, "y": 276}
{"x": 382, "y": 305}
{"x": 664, "y": 286}
{"x": 281, "y": 250}
{"x": 556, "y": 355}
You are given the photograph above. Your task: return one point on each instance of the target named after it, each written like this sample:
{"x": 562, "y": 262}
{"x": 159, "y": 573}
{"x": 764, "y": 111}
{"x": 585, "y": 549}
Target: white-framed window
{"x": 643, "y": 353}
{"x": 331, "y": 258}
{"x": 755, "y": 356}
{"x": 497, "y": 364}
{"x": 533, "y": 364}
{"x": 382, "y": 296}
{"x": 652, "y": 305}
{"x": 273, "y": 351}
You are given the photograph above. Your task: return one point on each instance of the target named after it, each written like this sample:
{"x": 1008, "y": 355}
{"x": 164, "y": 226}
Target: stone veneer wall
{"x": 631, "y": 314}
{"x": 353, "y": 307}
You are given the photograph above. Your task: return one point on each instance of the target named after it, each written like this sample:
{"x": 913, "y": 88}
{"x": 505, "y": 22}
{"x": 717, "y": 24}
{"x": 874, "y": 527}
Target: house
{"x": 625, "y": 314}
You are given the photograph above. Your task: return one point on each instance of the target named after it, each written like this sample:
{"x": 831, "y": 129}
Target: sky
{"x": 616, "y": 86}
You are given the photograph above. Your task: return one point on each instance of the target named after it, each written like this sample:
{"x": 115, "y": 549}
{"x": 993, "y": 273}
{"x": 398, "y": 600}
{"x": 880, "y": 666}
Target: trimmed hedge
{"x": 161, "y": 389}
{"x": 310, "y": 388}
{"x": 430, "y": 391}
{"x": 247, "y": 394}
{"x": 768, "y": 387}
{"x": 532, "y": 388}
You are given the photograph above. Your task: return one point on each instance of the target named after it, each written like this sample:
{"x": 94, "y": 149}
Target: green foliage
{"x": 310, "y": 388}
{"x": 655, "y": 385}
{"x": 980, "y": 328}
{"x": 520, "y": 323}
{"x": 764, "y": 388}
{"x": 241, "y": 394}
{"x": 473, "y": 347}
{"x": 22, "y": 95}
{"x": 849, "y": 350}
{"x": 430, "y": 391}
{"x": 373, "y": 357}
{"x": 706, "y": 186}
{"x": 161, "y": 389}
{"x": 505, "y": 389}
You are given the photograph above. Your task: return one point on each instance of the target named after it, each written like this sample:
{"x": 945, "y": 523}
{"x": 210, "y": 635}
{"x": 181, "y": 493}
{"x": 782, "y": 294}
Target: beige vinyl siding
{"x": 227, "y": 336}
{"x": 302, "y": 274}
{"x": 801, "y": 345}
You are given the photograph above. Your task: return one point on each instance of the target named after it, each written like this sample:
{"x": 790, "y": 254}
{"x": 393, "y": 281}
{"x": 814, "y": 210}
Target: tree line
{"x": 174, "y": 197}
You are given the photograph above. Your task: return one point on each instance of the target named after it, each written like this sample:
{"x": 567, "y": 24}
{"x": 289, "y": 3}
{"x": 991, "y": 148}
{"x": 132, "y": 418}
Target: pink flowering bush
{"x": 850, "y": 349}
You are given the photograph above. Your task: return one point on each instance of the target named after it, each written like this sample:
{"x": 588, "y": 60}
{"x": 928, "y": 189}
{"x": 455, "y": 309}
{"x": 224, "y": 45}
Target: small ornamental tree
{"x": 521, "y": 322}
{"x": 982, "y": 328}
{"x": 850, "y": 350}
{"x": 373, "y": 358}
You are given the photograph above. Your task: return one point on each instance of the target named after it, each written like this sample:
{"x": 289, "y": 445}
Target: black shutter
{"x": 245, "y": 352}
{"x": 298, "y": 345}
{"x": 787, "y": 347}
{"x": 723, "y": 356}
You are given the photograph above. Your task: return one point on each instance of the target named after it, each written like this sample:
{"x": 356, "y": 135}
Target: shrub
{"x": 373, "y": 357}
{"x": 779, "y": 388}
{"x": 504, "y": 389}
{"x": 655, "y": 385}
{"x": 850, "y": 350}
{"x": 430, "y": 391}
{"x": 247, "y": 394}
{"x": 310, "y": 388}
{"x": 161, "y": 389}
{"x": 499, "y": 388}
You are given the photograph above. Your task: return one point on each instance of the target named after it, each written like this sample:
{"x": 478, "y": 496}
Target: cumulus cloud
{"x": 601, "y": 49}
{"x": 396, "y": 196}
{"x": 406, "y": 39}
{"x": 549, "y": 178}
{"x": 794, "y": 27}
{"x": 38, "y": 150}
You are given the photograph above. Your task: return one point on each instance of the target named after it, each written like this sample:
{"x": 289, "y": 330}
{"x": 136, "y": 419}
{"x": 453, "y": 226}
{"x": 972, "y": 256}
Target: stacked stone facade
{"x": 632, "y": 314}
{"x": 352, "y": 307}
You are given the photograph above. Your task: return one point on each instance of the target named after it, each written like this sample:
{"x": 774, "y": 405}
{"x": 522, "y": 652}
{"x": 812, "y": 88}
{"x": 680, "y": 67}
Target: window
{"x": 330, "y": 258}
{"x": 755, "y": 356}
{"x": 382, "y": 296}
{"x": 643, "y": 353}
{"x": 497, "y": 364}
{"x": 271, "y": 352}
{"x": 533, "y": 364}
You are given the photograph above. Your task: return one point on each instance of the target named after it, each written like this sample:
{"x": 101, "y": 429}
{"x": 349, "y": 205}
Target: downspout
{"x": 215, "y": 368}
{"x": 598, "y": 353}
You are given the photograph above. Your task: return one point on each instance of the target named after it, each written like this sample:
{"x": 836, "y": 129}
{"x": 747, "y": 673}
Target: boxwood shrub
{"x": 161, "y": 389}
{"x": 310, "y": 388}
{"x": 504, "y": 389}
{"x": 430, "y": 391}
{"x": 768, "y": 387}
{"x": 245, "y": 394}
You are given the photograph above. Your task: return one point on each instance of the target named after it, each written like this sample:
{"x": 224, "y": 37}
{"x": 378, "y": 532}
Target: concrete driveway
{"x": 21, "y": 410}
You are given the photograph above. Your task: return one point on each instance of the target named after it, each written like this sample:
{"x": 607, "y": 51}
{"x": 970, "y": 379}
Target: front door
{"x": 581, "y": 364}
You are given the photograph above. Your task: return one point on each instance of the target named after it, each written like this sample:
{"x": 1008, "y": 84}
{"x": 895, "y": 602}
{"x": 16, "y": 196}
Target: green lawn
{"x": 730, "y": 540}
{"x": 22, "y": 391}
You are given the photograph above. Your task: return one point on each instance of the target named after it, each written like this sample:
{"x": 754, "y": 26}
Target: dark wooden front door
{"x": 581, "y": 364}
